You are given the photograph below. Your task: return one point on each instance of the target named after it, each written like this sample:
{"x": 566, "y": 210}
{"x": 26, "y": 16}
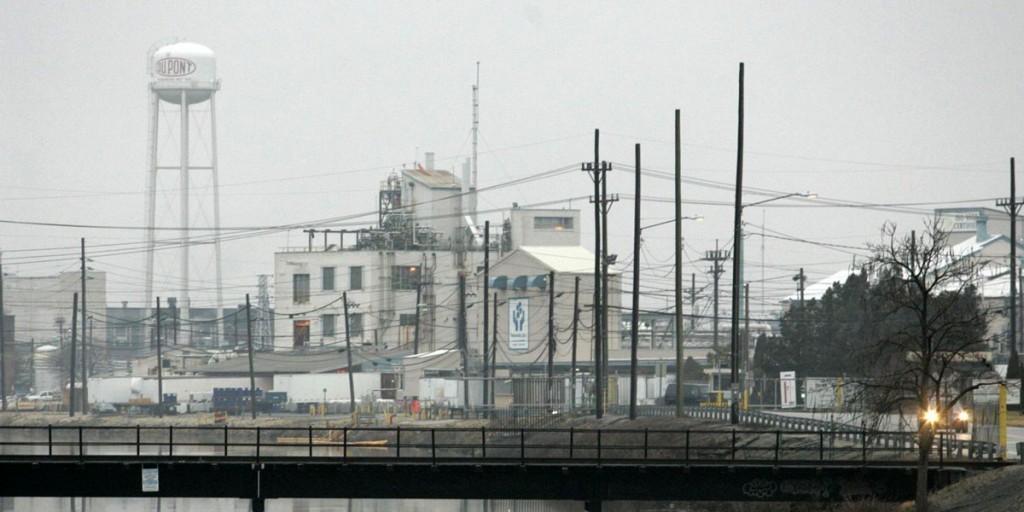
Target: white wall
{"x": 309, "y": 388}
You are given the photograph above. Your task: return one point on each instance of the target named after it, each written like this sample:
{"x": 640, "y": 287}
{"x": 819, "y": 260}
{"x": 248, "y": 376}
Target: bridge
{"x": 589, "y": 465}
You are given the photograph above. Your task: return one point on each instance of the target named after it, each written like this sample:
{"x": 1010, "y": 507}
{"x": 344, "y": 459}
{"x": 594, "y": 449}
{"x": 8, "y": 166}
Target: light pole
{"x": 737, "y": 287}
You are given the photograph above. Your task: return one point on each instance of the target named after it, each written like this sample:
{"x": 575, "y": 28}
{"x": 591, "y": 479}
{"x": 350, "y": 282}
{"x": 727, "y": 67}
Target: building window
{"x": 407, "y": 319}
{"x": 300, "y": 288}
{"x": 355, "y": 278}
{"x": 355, "y": 324}
{"x": 405, "y": 277}
{"x": 553, "y": 223}
{"x": 328, "y": 278}
{"x": 300, "y": 333}
{"x": 329, "y": 323}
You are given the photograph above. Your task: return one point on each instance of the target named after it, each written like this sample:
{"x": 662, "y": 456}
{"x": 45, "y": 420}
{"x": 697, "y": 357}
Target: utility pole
{"x": 85, "y": 342}
{"x": 597, "y": 171}
{"x": 737, "y": 267}
{"x": 575, "y": 323}
{"x": 551, "y": 335}
{"x": 348, "y": 353}
{"x": 693, "y": 302}
{"x": 252, "y": 364}
{"x": 800, "y": 279}
{"x": 716, "y": 257}
{"x": 635, "y": 327}
{"x": 3, "y": 344}
{"x": 463, "y": 345}
{"x": 487, "y": 292}
{"x": 606, "y": 261}
{"x": 74, "y": 335}
{"x": 159, "y": 363}
{"x": 494, "y": 347}
{"x": 1012, "y": 207}
{"x": 416, "y": 328}
{"x": 746, "y": 340}
{"x": 680, "y": 357}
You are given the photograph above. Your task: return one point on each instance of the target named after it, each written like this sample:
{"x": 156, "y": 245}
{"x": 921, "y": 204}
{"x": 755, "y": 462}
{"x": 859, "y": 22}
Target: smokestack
{"x": 981, "y": 225}
{"x": 429, "y": 156}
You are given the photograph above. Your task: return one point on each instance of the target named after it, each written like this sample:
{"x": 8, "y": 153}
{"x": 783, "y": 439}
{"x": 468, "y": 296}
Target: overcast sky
{"x": 913, "y": 105}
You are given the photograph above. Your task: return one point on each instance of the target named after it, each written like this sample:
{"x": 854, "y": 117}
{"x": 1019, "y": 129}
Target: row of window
{"x": 328, "y": 327}
{"x": 403, "y": 277}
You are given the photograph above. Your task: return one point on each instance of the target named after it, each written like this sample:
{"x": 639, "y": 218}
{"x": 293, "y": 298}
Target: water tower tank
{"x": 184, "y": 66}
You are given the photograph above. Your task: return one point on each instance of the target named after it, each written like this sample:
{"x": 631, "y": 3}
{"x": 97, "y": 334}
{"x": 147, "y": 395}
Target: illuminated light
{"x": 963, "y": 416}
{"x": 931, "y": 416}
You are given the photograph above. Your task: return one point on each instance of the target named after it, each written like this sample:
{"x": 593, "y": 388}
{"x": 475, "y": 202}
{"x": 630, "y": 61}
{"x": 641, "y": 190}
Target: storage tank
{"x": 184, "y": 66}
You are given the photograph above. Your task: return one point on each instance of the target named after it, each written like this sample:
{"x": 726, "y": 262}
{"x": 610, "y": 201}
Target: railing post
{"x": 864, "y": 445}
{"x": 398, "y": 442}
{"x": 733, "y": 444}
{"x": 49, "y": 438}
{"x": 599, "y": 447}
{"x": 311, "y": 441}
{"x": 645, "y": 444}
{"x": 138, "y": 440}
{"x": 225, "y": 440}
{"x": 344, "y": 444}
{"x": 170, "y": 441}
{"x": 80, "y": 452}
{"x": 687, "y": 454}
{"x": 778, "y": 444}
{"x": 821, "y": 445}
{"x": 572, "y": 440}
{"x": 257, "y": 445}
{"x": 483, "y": 443}
{"x": 522, "y": 446}
{"x": 433, "y": 447}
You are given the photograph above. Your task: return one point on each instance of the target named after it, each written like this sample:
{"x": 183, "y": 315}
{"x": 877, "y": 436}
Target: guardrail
{"x": 412, "y": 444}
{"x": 946, "y": 444}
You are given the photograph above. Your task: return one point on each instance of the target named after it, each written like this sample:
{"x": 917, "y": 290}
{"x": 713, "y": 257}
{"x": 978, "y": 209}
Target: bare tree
{"x": 929, "y": 327}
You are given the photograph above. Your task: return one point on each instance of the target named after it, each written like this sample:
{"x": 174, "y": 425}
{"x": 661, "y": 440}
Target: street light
{"x": 737, "y": 286}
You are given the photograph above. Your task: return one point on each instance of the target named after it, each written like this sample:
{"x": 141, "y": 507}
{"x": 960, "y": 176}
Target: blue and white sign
{"x": 150, "y": 480}
{"x": 519, "y": 324}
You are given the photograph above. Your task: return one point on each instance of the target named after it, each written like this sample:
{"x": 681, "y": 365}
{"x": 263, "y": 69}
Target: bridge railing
{"x": 419, "y": 444}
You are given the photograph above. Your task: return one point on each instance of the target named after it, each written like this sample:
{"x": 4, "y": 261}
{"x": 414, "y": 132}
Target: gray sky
{"x": 916, "y": 104}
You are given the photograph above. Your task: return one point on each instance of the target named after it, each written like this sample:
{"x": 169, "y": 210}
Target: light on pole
{"x": 737, "y": 287}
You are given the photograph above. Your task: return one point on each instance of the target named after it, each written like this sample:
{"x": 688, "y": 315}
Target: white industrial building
{"x": 415, "y": 256}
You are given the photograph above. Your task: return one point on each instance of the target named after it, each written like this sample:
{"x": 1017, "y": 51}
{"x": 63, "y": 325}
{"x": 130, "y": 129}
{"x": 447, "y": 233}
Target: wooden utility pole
{"x": 487, "y": 291}
{"x": 416, "y": 329}
{"x": 635, "y": 325}
{"x": 159, "y": 363}
{"x": 551, "y": 336}
{"x": 252, "y": 363}
{"x": 85, "y": 341}
{"x": 348, "y": 351}
{"x": 3, "y": 343}
{"x": 494, "y": 347}
{"x": 575, "y": 324}
{"x": 463, "y": 348}
{"x": 680, "y": 358}
{"x": 74, "y": 336}
{"x": 737, "y": 265}
{"x": 597, "y": 170}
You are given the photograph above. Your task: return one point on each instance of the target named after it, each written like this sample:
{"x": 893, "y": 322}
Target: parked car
{"x": 103, "y": 408}
{"x": 694, "y": 393}
{"x": 44, "y": 396}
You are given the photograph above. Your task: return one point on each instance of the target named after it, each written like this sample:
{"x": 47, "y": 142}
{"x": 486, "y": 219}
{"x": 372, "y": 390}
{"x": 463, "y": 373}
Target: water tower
{"x": 183, "y": 142}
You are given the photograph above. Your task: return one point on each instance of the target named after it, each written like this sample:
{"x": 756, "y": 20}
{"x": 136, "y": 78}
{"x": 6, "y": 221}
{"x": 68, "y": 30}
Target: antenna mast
{"x": 476, "y": 129}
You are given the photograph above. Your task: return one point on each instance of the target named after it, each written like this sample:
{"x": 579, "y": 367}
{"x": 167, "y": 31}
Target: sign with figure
{"x": 519, "y": 324}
